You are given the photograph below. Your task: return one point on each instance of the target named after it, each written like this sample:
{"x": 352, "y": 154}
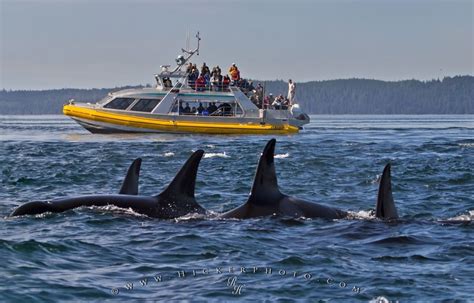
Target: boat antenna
{"x": 182, "y": 60}
{"x": 187, "y": 40}
{"x": 199, "y": 39}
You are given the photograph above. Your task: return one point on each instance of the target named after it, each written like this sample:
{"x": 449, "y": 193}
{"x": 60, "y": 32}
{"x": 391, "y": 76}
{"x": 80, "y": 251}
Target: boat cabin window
{"x": 207, "y": 108}
{"x": 120, "y": 103}
{"x": 145, "y": 105}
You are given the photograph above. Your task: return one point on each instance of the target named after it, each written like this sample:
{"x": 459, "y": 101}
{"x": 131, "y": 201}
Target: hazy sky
{"x": 85, "y": 44}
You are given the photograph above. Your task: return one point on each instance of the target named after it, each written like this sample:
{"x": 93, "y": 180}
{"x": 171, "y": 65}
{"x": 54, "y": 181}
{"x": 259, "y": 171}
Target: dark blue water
{"x": 97, "y": 254}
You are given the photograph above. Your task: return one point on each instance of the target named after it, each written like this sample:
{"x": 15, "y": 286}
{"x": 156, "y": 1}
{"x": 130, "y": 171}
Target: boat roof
{"x": 154, "y": 92}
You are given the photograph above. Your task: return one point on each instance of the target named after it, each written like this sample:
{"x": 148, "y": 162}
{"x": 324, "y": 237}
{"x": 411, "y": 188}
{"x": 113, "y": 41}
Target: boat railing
{"x": 208, "y": 87}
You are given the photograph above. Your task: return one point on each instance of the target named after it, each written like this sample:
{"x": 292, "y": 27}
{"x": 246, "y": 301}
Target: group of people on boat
{"x": 271, "y": 102}
{"x": 211, "y": 109}
{"x": 208, "y": 79}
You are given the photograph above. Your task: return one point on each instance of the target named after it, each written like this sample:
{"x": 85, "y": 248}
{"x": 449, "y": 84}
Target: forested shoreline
{"x": 451, "y": 95}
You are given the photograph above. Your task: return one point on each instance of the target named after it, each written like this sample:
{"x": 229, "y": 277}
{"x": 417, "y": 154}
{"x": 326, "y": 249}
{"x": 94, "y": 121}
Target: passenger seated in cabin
{"x": 181, "y": 108}
{"x": 205, "y": 112}
{"x": 200, "y": 83}
{"x": 234, "y": 73}
{"x": 200, "y": 108}
{"x": 193, "y": 110}
{"x": 212, "y": 108}
{"x": 225, "y": 109}
{"x": 226, "y": 82}
{"x": 187, "y": 109}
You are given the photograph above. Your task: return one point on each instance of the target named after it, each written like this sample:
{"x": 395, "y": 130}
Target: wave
{"x": 281, "y": 156}
{"x": 361, "y": 215}
{"x": 168, "y": 154}
{"x": 464, "y": 217}
{"x": 403, "y": 258}
{"x": 399, "y": 240}
{"x": 115, "y": 209}
{"x": 213, "y": 155}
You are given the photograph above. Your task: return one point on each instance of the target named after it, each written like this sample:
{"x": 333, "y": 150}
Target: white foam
{"x": 376, "y": 180}
{"x": 213, "y": 155}
{"x": 465, "y": 217}
{"x": 282, "y": 156}
{"x": 381, "y": 299}
{"x": 466, "y": 144}
{"x": 168, "y": 154}
{"x": 115, "y": 209}
{"x": 192, "y": 216}
{"x": 361, "y": 215}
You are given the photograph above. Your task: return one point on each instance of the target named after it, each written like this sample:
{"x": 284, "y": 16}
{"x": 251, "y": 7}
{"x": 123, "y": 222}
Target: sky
{"x": 48, "y": 44}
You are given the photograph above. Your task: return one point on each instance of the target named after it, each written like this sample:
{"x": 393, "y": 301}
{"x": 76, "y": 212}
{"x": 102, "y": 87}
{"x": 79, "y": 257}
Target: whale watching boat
{"x": 218, "y": 108}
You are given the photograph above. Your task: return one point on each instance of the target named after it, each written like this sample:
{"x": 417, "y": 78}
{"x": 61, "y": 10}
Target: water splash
{"x": 214, "y": 155}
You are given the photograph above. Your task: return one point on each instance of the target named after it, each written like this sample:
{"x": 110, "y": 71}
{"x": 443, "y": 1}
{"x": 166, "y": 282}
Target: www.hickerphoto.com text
{"x": 233, "y": 278}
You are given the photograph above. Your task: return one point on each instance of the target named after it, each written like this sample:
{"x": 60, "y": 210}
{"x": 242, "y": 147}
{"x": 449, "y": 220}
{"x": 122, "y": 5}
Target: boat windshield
{"x": 105, "y": 99}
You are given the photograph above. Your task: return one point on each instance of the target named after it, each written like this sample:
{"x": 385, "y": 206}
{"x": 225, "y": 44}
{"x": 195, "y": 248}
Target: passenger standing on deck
{"x": 291, "y": 92}
{"x": 205, "y": 69}
{"x": 234, "y": 73}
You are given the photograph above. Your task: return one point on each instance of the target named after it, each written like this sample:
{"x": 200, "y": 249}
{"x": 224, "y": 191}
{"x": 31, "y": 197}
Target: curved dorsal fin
{"x": 385, "y": 208}
{"x": 130, "y": 183}
{"x": 185, "y": 180}
{"x": 265, "y": 185}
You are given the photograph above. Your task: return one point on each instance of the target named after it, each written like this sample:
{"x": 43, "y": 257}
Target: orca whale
{"x": 175, "y": 201}
{"x": 265, "y": 198}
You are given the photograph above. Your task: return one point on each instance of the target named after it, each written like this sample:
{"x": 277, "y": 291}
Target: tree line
{"x": 451, "y": 95}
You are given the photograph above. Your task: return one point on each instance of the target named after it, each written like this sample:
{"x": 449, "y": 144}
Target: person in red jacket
{"x": 200, "y": 83}
{"x": 226, "y": 82}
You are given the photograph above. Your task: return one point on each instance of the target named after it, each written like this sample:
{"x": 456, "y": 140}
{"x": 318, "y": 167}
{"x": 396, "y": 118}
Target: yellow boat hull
{"x": 117, "y": 122}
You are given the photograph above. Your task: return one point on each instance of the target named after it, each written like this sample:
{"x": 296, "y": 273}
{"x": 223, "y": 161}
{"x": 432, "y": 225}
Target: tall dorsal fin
{"x": 184, "y": 182}
{"x": 385, "y": 208}
{"x": 130, "y": 183}
{"x": 265, "y": 185}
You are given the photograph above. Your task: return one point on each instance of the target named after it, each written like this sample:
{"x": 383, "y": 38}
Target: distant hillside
{"x": 351, "y": 96}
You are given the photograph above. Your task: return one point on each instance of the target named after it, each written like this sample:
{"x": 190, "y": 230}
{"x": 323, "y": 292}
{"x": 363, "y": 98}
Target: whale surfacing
{"x": 265, "y": 198}
{"x": 175, "y": 201}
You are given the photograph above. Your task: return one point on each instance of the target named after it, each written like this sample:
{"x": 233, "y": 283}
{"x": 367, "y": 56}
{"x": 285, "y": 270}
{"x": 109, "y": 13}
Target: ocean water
{"x": 108, "y": 254}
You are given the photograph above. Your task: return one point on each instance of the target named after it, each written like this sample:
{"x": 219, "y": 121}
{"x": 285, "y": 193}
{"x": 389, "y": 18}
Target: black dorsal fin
{"x": 265, "y": 185}
{"x": 385, "y": 208}
{"x": 130, "y": 183}
{"x": 184, "y": 182}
